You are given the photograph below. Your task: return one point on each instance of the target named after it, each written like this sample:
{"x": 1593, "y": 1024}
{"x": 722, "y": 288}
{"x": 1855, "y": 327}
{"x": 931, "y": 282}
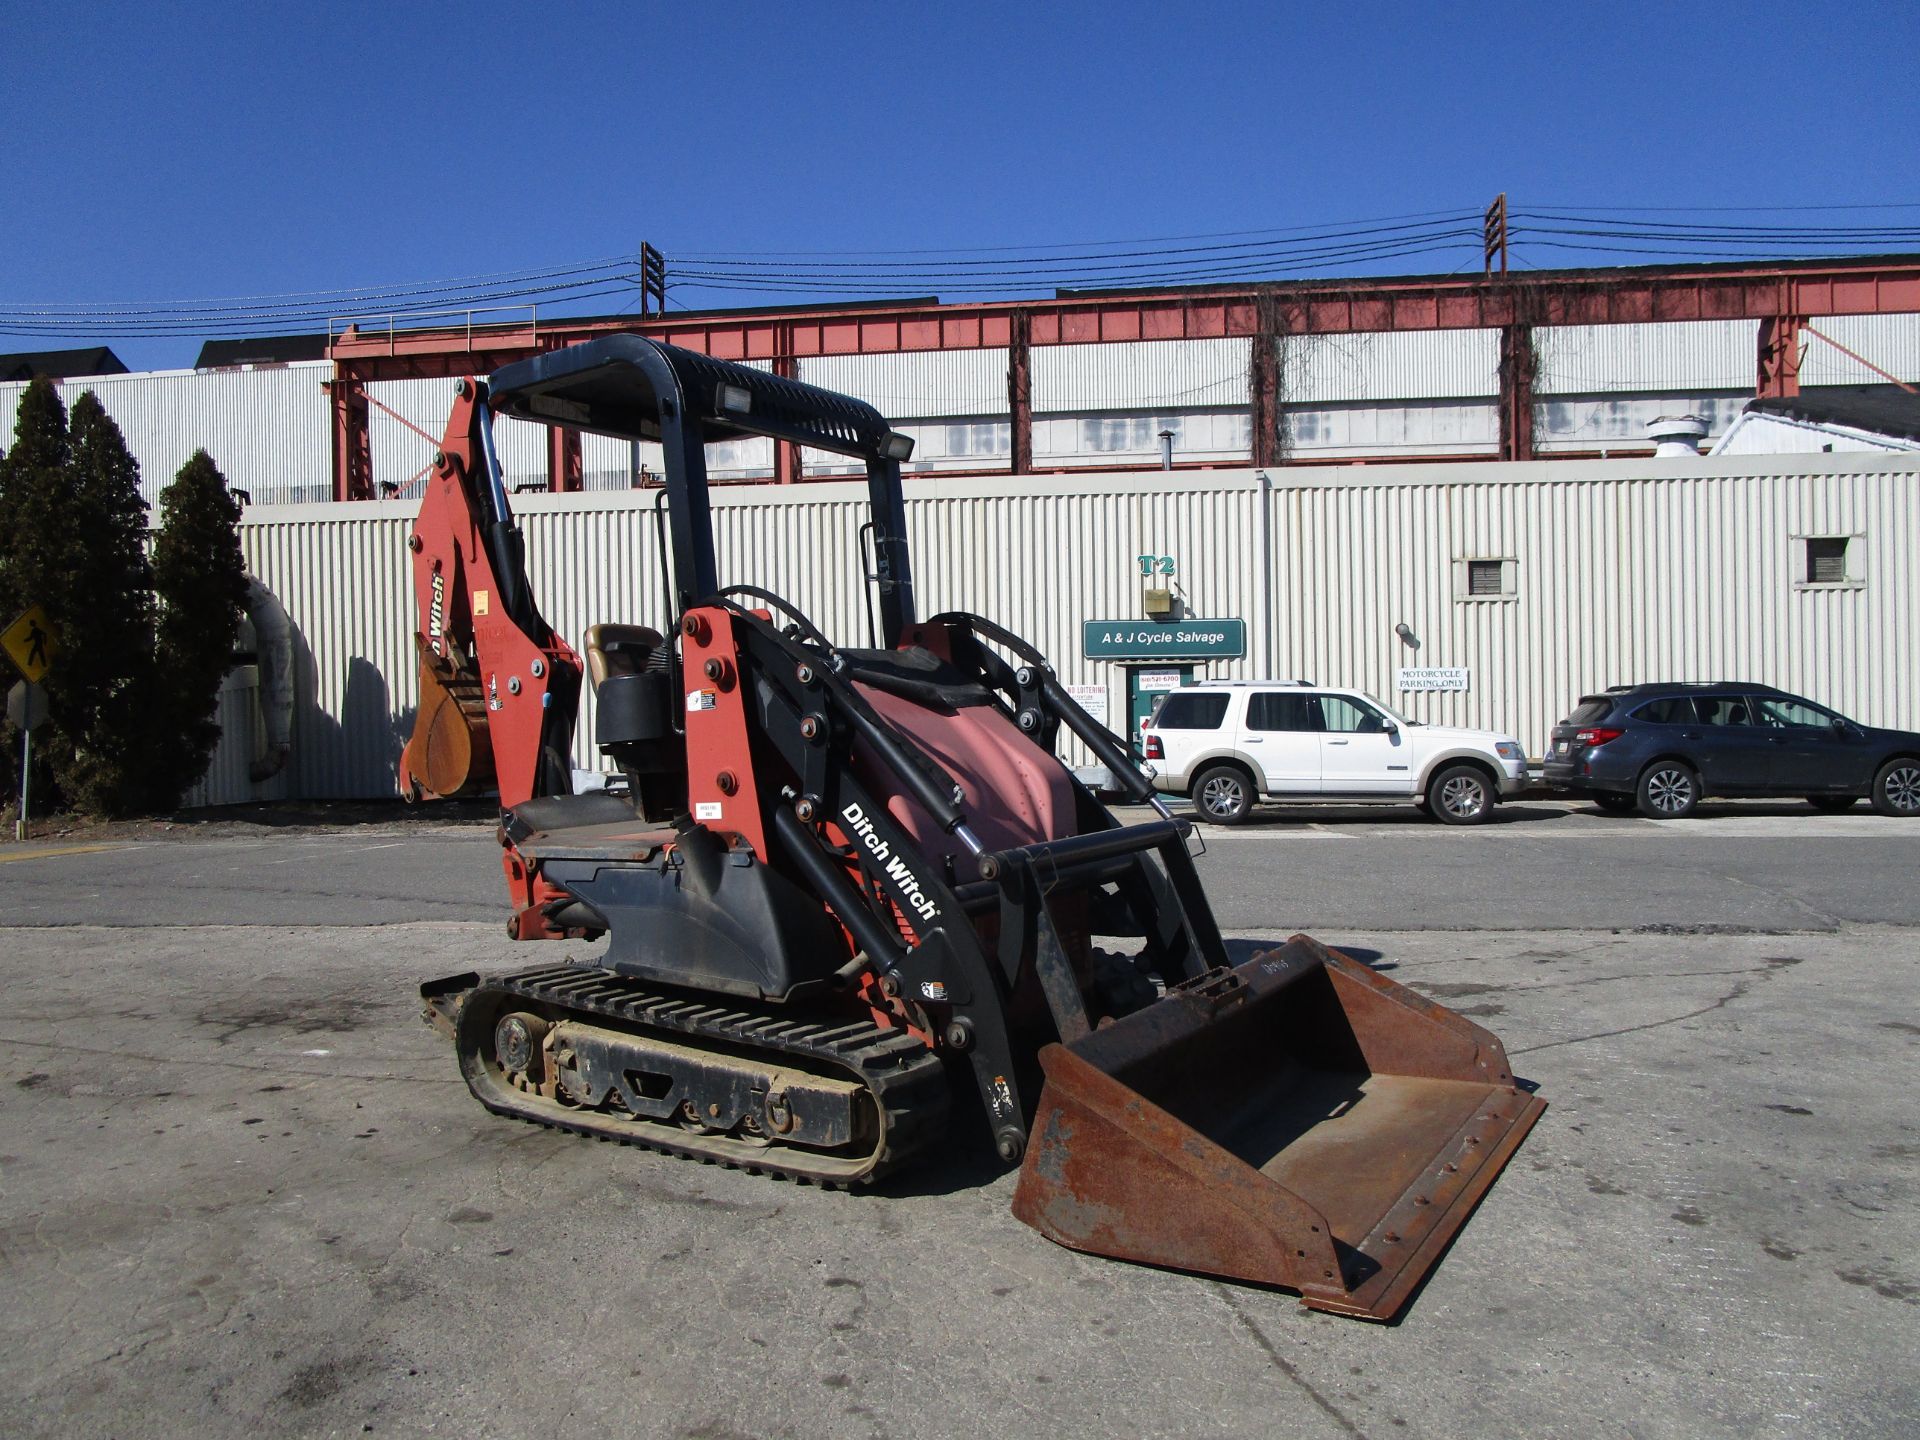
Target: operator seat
{"x": 620, "y": 650}
{"x": 633, "y": 687}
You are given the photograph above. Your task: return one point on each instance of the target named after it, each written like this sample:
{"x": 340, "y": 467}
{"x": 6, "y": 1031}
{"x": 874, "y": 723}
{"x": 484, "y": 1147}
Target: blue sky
{"x": 163, "y": 153}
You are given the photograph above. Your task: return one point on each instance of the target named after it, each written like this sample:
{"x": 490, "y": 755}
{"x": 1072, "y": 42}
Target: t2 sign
{"x": 1152, "y": 565}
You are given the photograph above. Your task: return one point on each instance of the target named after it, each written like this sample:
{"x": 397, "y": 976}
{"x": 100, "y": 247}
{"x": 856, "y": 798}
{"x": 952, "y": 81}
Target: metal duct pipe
{"x": 1676, "y": 435}
{"x": 273, "y": 648}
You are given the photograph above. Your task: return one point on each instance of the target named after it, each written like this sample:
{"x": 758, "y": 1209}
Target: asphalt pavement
{"x": 242, "y": 1188}
{"x": 1535, "y": 866}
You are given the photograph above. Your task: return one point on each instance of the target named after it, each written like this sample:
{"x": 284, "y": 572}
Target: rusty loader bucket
{"x": 1296, "y": 1121}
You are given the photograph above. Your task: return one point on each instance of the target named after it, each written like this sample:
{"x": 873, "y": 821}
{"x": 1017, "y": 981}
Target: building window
{"x": 1127, "y": 434}
{"x": 1486, "y": 578}
{"x": 1826, "y": 560}
{"x": 980, "y": 437}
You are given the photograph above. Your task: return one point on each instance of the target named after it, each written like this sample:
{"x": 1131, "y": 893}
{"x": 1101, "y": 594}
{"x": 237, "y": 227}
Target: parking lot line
{"x": 50, "y": 853}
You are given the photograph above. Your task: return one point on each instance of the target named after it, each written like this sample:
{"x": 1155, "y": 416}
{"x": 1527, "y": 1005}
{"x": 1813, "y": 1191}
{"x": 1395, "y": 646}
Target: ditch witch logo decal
{"x": 895, "y": 868}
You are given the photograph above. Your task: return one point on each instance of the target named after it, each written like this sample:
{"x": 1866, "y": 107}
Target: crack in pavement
{"x": 1832, "y": 922}
{"x": 1283, "y": 1365}
{"x": 1739, "y": 991}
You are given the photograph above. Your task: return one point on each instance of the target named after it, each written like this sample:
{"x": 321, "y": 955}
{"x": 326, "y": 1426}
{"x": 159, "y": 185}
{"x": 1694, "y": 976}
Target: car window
{"x": 1673, "y": 710}
{"x": 1791, "y": 712}
{"x": 1282, "y": 710}
{"x": 1723, "y": 709}
{"x": 1590, "y": 709}
{"x": 1190, "y": 712}
{"x": 1348, "y": 716}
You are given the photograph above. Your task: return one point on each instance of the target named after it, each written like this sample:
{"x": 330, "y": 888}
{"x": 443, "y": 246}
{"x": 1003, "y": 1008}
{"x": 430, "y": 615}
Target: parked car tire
{"x": 1832, "y": 804}
{"x": 1460, "y": 795}
{"x": 1612, "y": 803}
{"x": 1668, "y": 790}
{"x": 1896, "y": 789}
{"x": 1223, "y": 794}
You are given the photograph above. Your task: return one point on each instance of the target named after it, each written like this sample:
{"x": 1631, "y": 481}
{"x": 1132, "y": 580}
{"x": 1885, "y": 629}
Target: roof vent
{"x": 1676, "y": 435}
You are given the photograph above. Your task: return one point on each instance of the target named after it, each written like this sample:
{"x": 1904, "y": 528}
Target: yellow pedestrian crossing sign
{"x": 30, "y": 642}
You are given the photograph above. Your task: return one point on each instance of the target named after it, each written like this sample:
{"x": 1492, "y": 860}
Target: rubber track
{"x": 908, "y": 1082}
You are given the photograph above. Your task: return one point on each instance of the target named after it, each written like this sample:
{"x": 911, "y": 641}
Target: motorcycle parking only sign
{"x": 1432, "y": 677}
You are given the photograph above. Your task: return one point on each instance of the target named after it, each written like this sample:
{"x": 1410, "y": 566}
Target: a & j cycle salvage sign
{"x": 1175, "y": 640}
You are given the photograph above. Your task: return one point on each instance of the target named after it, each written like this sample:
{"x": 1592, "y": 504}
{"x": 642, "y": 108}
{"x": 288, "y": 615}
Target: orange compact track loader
{"x": 847, "y": 890}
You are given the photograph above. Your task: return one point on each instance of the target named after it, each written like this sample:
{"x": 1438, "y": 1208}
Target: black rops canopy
{"x": 613, "y": 386}
{"x": 632, "y": 388}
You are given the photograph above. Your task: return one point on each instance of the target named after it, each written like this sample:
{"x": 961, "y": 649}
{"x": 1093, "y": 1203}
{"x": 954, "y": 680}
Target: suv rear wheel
{"x": 1668, "y": 790}
{"x": 1896, "y": 789}
{"x": 1460, "y": 795}
{"x": 1223, "y": 794}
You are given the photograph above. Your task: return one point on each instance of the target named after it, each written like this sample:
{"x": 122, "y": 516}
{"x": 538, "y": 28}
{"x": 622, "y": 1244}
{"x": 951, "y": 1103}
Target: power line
{"x": 999, "y": 270}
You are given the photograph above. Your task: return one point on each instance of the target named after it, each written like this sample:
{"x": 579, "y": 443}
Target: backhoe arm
{"x": 499, "y": 690}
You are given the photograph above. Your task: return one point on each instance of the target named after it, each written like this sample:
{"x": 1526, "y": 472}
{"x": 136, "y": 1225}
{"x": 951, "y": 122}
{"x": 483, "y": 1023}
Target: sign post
{"x": 26, "y": 708}
{"x": 31, "y": 643}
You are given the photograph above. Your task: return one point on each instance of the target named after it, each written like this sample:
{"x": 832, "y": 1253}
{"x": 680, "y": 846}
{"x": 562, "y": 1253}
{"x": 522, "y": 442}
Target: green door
{"x": 1145, "y": 685}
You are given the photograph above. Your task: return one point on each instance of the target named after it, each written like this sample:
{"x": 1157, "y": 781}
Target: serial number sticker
{"x": 702, "y": 700}
{"x": 707, "y": 810}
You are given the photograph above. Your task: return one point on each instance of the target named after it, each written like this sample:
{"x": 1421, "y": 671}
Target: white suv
{"x": 1231, "y": 743}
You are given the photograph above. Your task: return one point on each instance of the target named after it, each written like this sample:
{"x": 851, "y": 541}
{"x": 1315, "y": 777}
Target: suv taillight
{"x": 1597, "y": 736}
{"x": 1154, "y": 749}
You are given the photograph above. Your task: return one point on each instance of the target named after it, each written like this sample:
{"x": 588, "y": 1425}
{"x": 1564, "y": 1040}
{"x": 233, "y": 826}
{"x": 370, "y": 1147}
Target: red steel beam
{"x": 1604, "y": 297}
{"x": 1878, "y": 285}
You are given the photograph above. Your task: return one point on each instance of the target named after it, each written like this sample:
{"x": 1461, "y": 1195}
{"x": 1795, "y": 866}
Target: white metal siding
{"x": 1140, "y": 375}
{"x": 917, "y": 384}
{"x": 1891, "y": 342}
{"x": 1680, "y": 355}
{"x": 342, "y": 573}
{"x": 1758, "y": 433}
{"x": 1626, "y": 571}
{"x": 1407, "y": 365}
{"x": 267, "y": 429}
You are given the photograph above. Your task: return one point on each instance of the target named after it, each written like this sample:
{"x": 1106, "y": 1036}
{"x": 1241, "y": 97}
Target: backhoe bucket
{"x": 448, "y": 753}
{"x": 1297, "y": 1121}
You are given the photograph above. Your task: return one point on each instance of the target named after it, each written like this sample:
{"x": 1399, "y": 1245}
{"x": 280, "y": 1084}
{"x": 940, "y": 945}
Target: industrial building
{"x": 1523, "y": 533}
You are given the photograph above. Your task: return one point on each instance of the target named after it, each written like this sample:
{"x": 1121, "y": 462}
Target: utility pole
{"x": 1495, "y": 234}
{"x": 653, "y": 281}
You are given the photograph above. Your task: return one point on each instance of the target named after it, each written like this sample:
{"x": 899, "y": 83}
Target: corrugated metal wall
{"x": 1140, "y": 375}
{"x": 917, "y": 384}
{"x": 267, "y": 429}
{"x": 1405, "y": 365}
{"x": 1626, "y": 570}
{"x": 1890, "y": 341}
{"x": 1664, "y": 355}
